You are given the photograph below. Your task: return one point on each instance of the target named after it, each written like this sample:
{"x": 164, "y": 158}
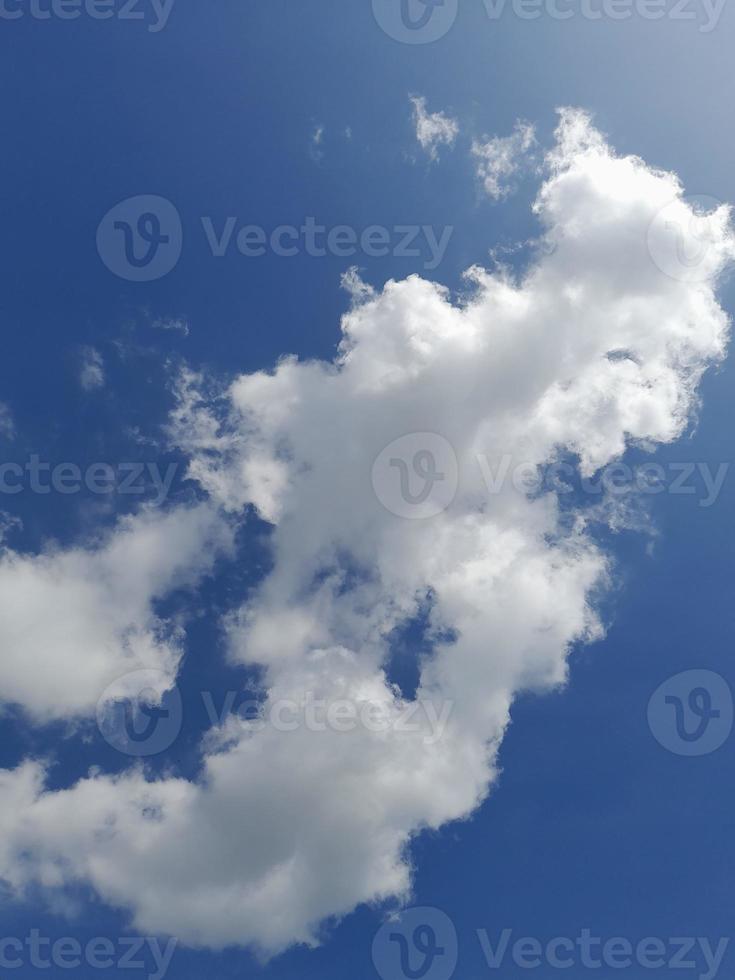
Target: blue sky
{"x": 592, "y": 824}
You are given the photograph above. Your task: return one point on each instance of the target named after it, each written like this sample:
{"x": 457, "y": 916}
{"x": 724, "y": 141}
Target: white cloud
{"x": 289, "y": 828}
{"x": 433, "y": 129}
{"x": 499, "y": 159}
{"x": 92, "y": 370}
{"x": 74, "y": 620}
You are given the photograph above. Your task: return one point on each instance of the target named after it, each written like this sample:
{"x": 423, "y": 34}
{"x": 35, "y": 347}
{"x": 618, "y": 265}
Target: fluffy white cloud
{"x": 594, "y": 347}
{"x": 72, "y": 621}
{"x": 433, "y": 129}
{"x": 499, "y": 159}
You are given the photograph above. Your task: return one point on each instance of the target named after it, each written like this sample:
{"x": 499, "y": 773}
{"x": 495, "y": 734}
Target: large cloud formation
{"x": 593, "y": 348}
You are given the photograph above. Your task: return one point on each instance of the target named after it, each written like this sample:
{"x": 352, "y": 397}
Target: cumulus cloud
{"x": 593, "y": 348}
{"x": 433, "y": 129}
{"x": 75, "y": 620}
{"x": 92, "y": 369}
{"x": 499, "y": 159}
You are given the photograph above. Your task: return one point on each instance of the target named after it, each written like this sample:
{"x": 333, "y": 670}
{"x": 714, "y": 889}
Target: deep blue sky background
{"x": 593, "y": 824}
